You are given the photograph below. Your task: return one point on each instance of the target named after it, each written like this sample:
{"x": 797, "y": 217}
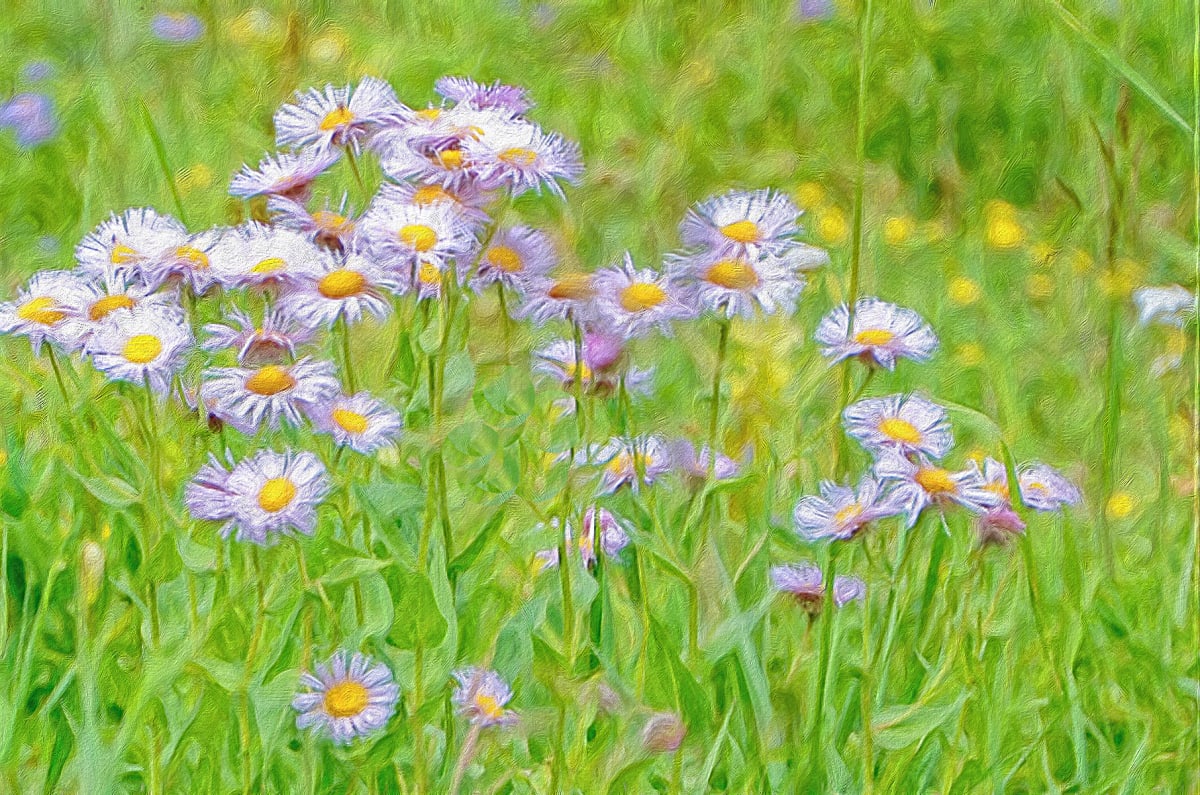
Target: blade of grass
{"x": 160, "y": 152}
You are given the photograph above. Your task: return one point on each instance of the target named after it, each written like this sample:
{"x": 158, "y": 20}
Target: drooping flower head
{"x": 633, "y": 302}
{"x": 1043, "y": 488}
{"x": 273, "y": 341}
{"x": 286, "y": 174}
{"x": 742, "y": 222}
{"x": 736, "y": 283}
{"x": 337, "y": 116}
{"x": 914, "y": 486}
{"x": 806, "y": 584}
{"x": 345, "y": 289}
{"x": 267, "y": 493}
{"x": 999, "y": 523}
{"x": 147, "y": 344}
{"x": 43, "y": 310}
{"x": 514, "y": 253}
{"x": 840, "y": 512}
{"x": 521, "y": 156}
{"x": 879, "y": 334}
{"x": 465, "y": 91}
{"x": 360, "y": 422}
{"x": 124, "y": 243}
{"x": 347, "y": 699}
{"x": 908, "y": 424}
{"x": 245, "y": 397}
{"x": 481, "y": 697}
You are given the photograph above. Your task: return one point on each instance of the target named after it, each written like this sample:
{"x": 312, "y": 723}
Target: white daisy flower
{"x": 465, "y": 91}
{"x": 467, "y": 199}
{"x": 337, "y": 116}
{"x": 841, "y": 512}
{"x": 141, "y": 345}
{"x": 267, "y": 493}
{"x": 402, "y": 235}
{"x": 402, "y": 160}
{"x": 124, "y": 242}
{"x": 733, "y": 283}
{"x": 806, "y": 583}
{"x": 245, "y": 397}
{"x": 344, "y": 289}
{"x": 1171, "y": 305}
{"x": 481, "y": 697}
{"x": 566, "y": 296}
{"x": 521, "y": 157}
{"x": 633, "y": 302}
{"x": 43, "y": 310}
{"x": 742, "y": 222}
{"x": 99, "y": 301}
{"x": 514, "y": 253}
{"x": 907, "y": 424}
{"x": 622, "y": 462}
{"x": 1043, "y": 488}
{"x": 347, "y": 699}
{"x": 881, "y": 333}
{"x": 186, "y": 264}
{"x": 260, "y": 256}
{"x": 917, "y": 485}
{"x": 332, "y": 230}
{"x": 274, "y": 340}
{"x": 361, "y": 422}
{"x": 284, "y": 174}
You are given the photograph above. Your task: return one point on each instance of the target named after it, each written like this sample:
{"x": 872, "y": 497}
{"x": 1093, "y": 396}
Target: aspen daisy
{"x": 256, "y": 344}
{"x": 879, "y": 334}
{"x": 443, "y": 164}
{"x": 742, "y": 222}
{"x": 564, "y": 296}
{"x": 841, "y": 512}
{"x": 481, "y": 697}
{"x": 634, "y": 302}
{"x": 1170, "y": 306}
{"x": 733, "y": 283}
{"x": 347, "y": 698}
{"x": 146, "y": 345}
{"x": 43, "y": 310}
{"x": 521, "y": 157}
{"x": 343, "y": 289}
{"x": 639, "y": 463}
{"x": 1043, "y": 488}
{"x": 285, "y": 174}
{"x": 99, "y": 301}
{"x": 402, "y": 235}
{"x": 467, "y": 199}
{"x": 514, "y": 253}
{"x": 806, "y": 584}
{"x": 333, "y": 230}
{"x": 267, "y": 493}
{"x": 245, "y": 397}
{"x": 999, "y": 523}
{"x": 260, "y": 256}
{"x": 465, "y": 91}
{"x": 124, "y": 242}
{"x": 917, "y": 485}
{"x": 360, "y": 422}
{"x": 187, "y": 264}
{"x": 337, "y": 116}
{"x": 905, "y": 423}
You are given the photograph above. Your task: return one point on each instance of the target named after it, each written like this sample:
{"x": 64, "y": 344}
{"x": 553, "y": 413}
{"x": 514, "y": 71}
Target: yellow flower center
{"x": 107, "y": 304}
{"x": 1001, "y": 489}
{"x": 276, "y": 494}
{"x": 519, "y": 156}
{"x": 269, "y": 265}
{"x": 350, "y": 421}
{"x": 505, "y": 258}
{"x": 194, "y": 257}
{"x": 624, "y": 463}
{"x": 418, "y": 236}
{"x": 346, "y": 699}
{"x": 848, "y": 514}
{"x": 935, "y": 481}
{"x": 335, "y": 118}
{"x": 41, "y": 310}
{"x": 572, "y": 287}
{"x": 741, "y": 231}
{"x": 1032, "y": 487}
{"x": 732, "y": 274}
{"x": 900, "y": 430}
{"x": 581, "y": 371}
{"x": 429, "y": 274}
{"x": 430, "y": 114}
{"x": 142, "y": 348}
{"x": 874, "y": 336}
{"x": 330, "y": 221}
{"x": 640, "y": 296}
{"x": 428, "y": 194}
{"x": 341, "y": 283}
{"x": 450, "y": 158}
{"x": 122, "y": 254}
{"x": 489, "y": 706}
{"x": 270, "y": 380}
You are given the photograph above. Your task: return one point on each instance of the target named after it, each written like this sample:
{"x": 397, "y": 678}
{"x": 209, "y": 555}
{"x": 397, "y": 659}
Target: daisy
{"x": 333, "y": 230}
{"x": 260, "y": 256}
{"x": 444, "y": 164}
{"x": 905, "y": 423}
{"x": 514, "y": 253}
{"x": 742, "y": 222}
{"x": 337, "y": 116}
{"x": 1043, "y": 488}
{"x": 467, "y": 199}
{"x": 694, "y": 466}
{"x": 360, "y": 422}
{"x": 634, "y": 302}
{"x": 881, "y": 332}
{"x": 998, "y": 524}
{"x": 806, "y": 583}
{"x": 735, "y": 284}
{"x": 344, "y": 290}
{"x": 267, "y": 493}
{"x": 522, "y": 157}
{"x": 285, "y": 174}
{"x": 1170, "y": 305}
{"x": 274, "y": 340}
{"x": 347, "y": 699}
{"x": 146, "y": 345}
{"x": 123, "y": 243}
{"x": 481, "y": 696}
{"x": 98, "y": 300}
{"x": 402, "y": 235}
{"x": 916, "y": 486}
{"x": 187, "y": 263}
{"x": 465, "y": 91}
{"x": 613, "y": 538}
{"x": 841, "y": 512}
{"x": 601, "y": 375}
{"x": 566, "y": 296}
{"x": 622, "y": 463}
{"x": 43, "y": 310}
{"x": 245, "y": 397}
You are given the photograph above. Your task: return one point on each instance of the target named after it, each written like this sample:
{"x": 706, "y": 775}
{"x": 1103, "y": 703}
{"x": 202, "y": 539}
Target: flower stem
{"x": 715, "y": 408}
{"x": 57, "y": 373}
{"x": 347, "y": 367}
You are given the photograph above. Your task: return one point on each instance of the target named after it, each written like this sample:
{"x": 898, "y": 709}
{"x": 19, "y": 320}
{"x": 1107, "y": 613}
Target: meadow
{"x": 1012, "y": 172}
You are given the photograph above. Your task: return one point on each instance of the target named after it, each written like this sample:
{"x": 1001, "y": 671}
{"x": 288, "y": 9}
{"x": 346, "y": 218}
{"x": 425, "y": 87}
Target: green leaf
{"x": 351, "y": 569}
{"x": 900, "y": 726}
{"x": 419, "y": 619}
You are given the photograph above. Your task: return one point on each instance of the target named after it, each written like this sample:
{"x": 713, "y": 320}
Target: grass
{"x": 1021, "y": 170}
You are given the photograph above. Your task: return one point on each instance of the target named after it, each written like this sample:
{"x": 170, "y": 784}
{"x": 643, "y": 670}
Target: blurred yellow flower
{"x": 898, "y": 229}
{"x": 1119, "y": 281}
{"x": 1081, "y": 261}
{"x": 934, "y": 231}
{"x": 255, "y": 25}
{"x": 329, "y": 46}
{"x": 194, "y": 177}
{"x": 969, "y": 354}
{"x": 1043, "y": 254}
{"x": 964, "y": 291}
{"x": 832, "y": 226}
{"x": 3, "y": 457}
{"x": 1039, "y": 285}
{"x": 1120, "y": 505}
{"x": 1004, "y": 231}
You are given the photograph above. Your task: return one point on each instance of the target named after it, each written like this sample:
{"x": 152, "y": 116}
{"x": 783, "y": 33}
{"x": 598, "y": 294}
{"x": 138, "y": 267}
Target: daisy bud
{"x": 91, "y": 571}
{"x": 663, "y": 733}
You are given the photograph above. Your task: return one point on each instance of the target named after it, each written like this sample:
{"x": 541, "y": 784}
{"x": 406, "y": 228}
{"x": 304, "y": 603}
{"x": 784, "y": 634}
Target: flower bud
{"x": 663, "y": 733}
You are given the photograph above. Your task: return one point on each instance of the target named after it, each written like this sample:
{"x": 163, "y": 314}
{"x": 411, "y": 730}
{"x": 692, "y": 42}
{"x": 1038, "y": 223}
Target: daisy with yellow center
{"x": 915, "y": 485}
{"x": 288, "y": 174}
{"x": 341, "y": 117}
{"x": 742, "y": 222}
{"x": 346, "y": 289}
{"x": 734, "y": 283}
{"x": 514, "y": 253}
{"x": 633, "y": 302}
{"x": 402, "y": 234}
{"x": 1044, "y": 488}
{"x": 633, "y": 464}
{"x": 186, "y": 264}
{"x": 841, "y": 512}
{"x": 273, "y": 341}
{"x": 879, "y": 334}
{"x": 272, "y": 257}
{"x": 139, "y": 345}
{"x": 520, "y": 156}
{"x": 248, "y": 397}
{"x": 123, "y": 243}
{"x": 482, "y": 697}
{"x": 46, "y": 309}
{"x": 349, "y": 696}
{"x": 360, "y": 422}
{"x": 908, "y": 424}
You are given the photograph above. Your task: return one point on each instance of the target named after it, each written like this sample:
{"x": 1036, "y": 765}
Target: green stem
{"x": 828, "y": 617}
{"x": 715, "y": 408}
{"x": 347, "y": 367}
{"x": 62, "y": 388}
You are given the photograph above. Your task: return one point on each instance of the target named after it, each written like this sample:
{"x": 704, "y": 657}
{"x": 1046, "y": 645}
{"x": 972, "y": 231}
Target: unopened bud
{"x": 663, "y": 733}
{"x": 91, "y": 574}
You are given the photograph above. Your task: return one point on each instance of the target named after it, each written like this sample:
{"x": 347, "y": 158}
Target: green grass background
{"x": 1017, "y": 186}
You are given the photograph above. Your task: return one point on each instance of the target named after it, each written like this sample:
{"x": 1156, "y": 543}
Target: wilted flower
{"x": 694, "y": 466}
{"x": 333, "y": 230}
{"x": 881, "y": 333}
{"x": 347, "y": 700}
{"x": 481, "y": 697}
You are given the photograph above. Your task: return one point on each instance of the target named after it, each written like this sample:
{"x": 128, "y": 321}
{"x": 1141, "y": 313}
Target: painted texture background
{"x": 1022, "y": 171}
